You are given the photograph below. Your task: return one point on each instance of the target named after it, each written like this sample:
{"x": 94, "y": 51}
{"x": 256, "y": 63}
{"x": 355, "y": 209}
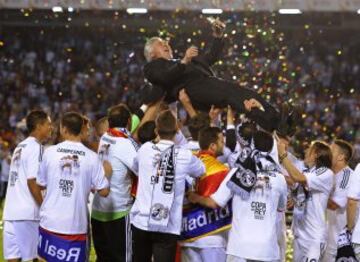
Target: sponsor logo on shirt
{"x": 66, "y": 187}
{"x": 71, "y": 151}
{"x": 259, "y": 209}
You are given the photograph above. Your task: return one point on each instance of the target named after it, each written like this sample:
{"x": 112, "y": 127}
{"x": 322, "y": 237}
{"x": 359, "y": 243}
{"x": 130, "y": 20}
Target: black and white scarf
{"x": 345, "y": 251}
{"x": 249, "y": 164}
{"x": 163, "y": 191}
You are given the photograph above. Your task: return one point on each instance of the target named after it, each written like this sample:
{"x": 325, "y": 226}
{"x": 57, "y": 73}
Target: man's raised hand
{"x": 190, "y": 53}
{"x": 218, "y": 28}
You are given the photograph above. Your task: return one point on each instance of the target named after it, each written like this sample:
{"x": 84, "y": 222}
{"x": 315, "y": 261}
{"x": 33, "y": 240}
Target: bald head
{"x": 157, "y": 47}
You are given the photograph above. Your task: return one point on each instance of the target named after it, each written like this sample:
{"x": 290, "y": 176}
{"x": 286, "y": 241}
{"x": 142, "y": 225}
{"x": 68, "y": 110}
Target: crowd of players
{"x": 37, "y": 64}
{"x": 168, "y": 191}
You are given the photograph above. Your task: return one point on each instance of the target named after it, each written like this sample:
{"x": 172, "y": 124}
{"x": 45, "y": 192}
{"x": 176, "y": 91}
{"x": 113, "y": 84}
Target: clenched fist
{"x": 190, "y": 53}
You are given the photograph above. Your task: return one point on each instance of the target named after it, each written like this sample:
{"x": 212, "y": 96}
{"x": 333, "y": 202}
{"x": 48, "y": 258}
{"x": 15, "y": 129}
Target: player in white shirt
{"x": 342, "y": 152}
{"x": 157, "y": 212}
{"x": 23, "y": 197}
{"x": 353, "y": 219}
{"x": 109, "y": 216}
{"x": 299, "y": 164}
{"x": 68, "y": 172}
{"x": 253, "y": 233}
{"x": 314, "y": 187}
{"x": 210, "y": 247}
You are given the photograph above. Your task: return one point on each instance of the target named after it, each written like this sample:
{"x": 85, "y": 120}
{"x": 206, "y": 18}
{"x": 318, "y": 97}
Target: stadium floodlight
{"x": 212, "y": 11}
{"x": 57, "y": 9}
{"x": 358, "y": 11}
{"x": 70, "y": 9}
{"x": 289, "y": 11}
{"x": 136, "y": 10}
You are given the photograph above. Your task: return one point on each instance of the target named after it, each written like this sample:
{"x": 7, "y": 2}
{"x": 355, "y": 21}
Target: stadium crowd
{"x": 163, "y": 176}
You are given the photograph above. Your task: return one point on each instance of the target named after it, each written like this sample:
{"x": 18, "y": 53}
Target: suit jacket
{"x": 169, "y": 76}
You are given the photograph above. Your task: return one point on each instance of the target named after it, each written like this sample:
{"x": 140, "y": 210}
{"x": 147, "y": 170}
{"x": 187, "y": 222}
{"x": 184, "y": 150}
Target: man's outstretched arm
{"x": 217, "y": 46}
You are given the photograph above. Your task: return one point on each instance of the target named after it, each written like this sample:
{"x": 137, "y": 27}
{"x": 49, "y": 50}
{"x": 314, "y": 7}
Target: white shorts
{"x": 307, "y": 251}
{"x": 21, "y": 239}
{"x": 211, "y": 254}
{"x": 231, "y": 258}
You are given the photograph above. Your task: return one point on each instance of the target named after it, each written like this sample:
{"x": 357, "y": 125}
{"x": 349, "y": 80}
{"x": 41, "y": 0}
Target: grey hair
{"x": 149, "y": 46}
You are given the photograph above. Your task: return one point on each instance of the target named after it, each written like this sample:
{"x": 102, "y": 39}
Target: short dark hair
{"x": 346, "y": 148}
{"x": 197, "y": 123}
{"x": 119, "y": 116}
{"x": 166, "y": 125}
{"x": 73, "y": 122}
{"x": 34, "y": 118}
{"x": 323, "y": 154}
{"x": 207, "y": 136}
{"x": 263, "y": 141}
{"x": 146, "y": 132}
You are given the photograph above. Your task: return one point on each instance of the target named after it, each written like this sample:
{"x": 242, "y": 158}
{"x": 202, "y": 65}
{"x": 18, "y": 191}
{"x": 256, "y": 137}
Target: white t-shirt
{"x": 146, "y": 166}
{"x": 120, "y": 152}
{"x": 337, "y": 218}
{"x": 313, "y": 227}
{"x": 69, "y": 171}
{"x": 19, "y": 202}
{"x": 253, "y": 234}
{"x": 354, "y": 193}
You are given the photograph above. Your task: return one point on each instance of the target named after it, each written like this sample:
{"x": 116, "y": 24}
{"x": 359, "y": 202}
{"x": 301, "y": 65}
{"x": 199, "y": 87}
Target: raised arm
{"x": 214, "y": 53}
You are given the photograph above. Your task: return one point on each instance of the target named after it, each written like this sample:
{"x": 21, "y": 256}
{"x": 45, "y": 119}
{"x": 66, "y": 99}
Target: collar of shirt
{"x": 342, "y": 170}
{"x": 166, "y": 142}
{"x": 34, "y": 139}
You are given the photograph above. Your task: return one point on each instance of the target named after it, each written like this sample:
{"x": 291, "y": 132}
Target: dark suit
{"x": 203, "y": 88}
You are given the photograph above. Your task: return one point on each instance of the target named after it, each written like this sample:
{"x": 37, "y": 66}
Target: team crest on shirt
{"x": 246, "y": 177}
{"x": 159, "y": 212}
